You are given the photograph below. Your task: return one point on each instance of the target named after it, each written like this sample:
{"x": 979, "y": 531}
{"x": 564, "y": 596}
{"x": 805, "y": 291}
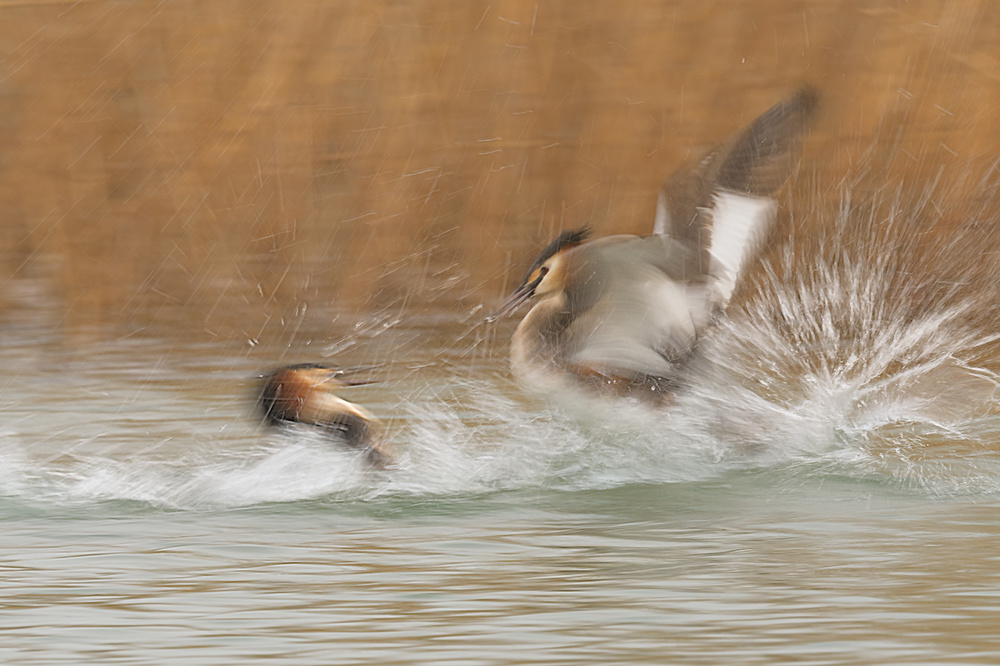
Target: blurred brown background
{"x": 225, "y": 170}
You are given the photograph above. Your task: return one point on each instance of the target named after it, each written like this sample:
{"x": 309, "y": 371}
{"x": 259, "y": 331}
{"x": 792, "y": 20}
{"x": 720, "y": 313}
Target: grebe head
{"x": 304, "y": 393}
{"x": 547, "y": 272}
{"x": 288, "y": 392}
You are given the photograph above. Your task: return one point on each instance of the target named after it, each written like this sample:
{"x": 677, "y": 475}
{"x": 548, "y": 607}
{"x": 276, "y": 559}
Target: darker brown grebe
{"x": 304, "y": 393}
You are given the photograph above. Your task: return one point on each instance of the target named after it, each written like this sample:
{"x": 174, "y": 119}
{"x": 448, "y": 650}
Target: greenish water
{"x": 694, "y": 573}
{"x": 146, "y": 518}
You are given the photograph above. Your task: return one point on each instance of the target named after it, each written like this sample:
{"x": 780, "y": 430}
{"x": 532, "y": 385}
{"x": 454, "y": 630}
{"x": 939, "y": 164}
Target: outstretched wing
{"x": 723, "y": 205}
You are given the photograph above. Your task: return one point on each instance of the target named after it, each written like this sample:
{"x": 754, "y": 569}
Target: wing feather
{"x": 723, "y": 204}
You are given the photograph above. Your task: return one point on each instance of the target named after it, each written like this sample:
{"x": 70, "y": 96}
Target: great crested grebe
{"x": 622, "y": 314}
{"x": 304, "y": 393}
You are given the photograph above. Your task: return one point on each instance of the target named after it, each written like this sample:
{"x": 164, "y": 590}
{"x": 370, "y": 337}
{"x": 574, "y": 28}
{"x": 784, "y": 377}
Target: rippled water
{"x": 824, "y": 491}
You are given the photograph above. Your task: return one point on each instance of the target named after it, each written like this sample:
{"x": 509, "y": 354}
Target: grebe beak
{"x": 514, "y": 301}
{"x": 336, "y": 378}
{"x": 539, "y": 269}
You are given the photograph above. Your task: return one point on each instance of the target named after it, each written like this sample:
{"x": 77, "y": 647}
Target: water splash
{"x": 872, "y": 350}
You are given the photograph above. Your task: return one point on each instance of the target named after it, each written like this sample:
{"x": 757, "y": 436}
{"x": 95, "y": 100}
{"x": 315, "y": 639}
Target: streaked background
{"x": 234, "y": 170}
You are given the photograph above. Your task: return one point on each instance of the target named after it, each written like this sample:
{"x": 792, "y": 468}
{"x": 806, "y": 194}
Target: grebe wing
{"x": 723, "y": 204}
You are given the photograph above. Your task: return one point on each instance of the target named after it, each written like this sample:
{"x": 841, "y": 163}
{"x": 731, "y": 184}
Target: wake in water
{"x": 869, "y": 351}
